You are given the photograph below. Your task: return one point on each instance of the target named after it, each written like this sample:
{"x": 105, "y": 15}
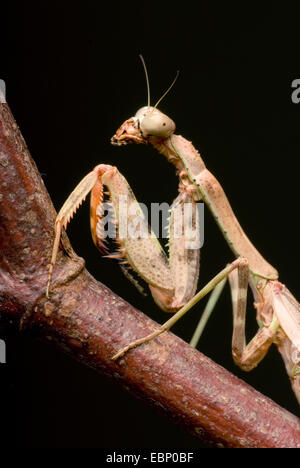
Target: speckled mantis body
{"x": 173, "y": 280}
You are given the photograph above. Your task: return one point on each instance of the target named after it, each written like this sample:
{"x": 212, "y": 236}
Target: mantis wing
{"x": 287, "y": 310}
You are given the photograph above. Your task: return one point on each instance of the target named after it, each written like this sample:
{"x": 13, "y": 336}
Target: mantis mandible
{"x": 173, "y": 280}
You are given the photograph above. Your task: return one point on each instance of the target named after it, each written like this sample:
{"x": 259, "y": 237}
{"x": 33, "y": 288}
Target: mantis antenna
{"x": 147, "y": 79}
{"x": 169, "y": 88}
{"x": 148, "y": 85}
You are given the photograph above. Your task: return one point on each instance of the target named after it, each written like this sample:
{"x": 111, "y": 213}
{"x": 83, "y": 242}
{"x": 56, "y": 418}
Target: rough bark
{"x": 90, "y": 322}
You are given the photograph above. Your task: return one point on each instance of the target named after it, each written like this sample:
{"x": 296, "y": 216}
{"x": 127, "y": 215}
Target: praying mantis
{"x": 173, "y": 280}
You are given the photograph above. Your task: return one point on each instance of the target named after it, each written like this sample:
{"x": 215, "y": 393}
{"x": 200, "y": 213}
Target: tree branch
{"x": 91, "y": 323}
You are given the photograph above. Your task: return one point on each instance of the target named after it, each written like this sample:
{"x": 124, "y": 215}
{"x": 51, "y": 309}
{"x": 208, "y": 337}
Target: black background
{"x": 73, "y": 76}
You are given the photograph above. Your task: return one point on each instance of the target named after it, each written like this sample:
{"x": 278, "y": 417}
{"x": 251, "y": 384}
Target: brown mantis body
{"x": 173, "y": 280}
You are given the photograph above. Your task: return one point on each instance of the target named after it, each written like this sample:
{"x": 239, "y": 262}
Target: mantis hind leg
{"x": 248, "y": 356}
{"x": 245, "y": 356}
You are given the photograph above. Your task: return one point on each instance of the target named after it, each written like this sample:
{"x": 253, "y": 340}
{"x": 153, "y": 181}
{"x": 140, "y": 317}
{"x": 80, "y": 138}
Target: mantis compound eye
{"x": 154, "y": 123}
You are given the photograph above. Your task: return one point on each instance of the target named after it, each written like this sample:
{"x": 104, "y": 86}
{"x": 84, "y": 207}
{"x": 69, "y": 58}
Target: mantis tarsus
{"x": 173, "y": 280}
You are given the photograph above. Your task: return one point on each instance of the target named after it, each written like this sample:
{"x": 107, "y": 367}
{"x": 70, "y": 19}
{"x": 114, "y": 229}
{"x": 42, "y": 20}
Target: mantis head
{"x": 152, "y": 122}
{"x": 147, "y": 122}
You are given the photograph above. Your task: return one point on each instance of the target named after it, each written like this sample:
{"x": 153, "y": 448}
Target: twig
{"x": 89, "y": 321}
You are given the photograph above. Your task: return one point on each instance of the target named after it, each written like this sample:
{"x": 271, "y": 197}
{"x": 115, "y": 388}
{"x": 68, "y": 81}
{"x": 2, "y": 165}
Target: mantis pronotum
{"x": 173, "y": 281}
